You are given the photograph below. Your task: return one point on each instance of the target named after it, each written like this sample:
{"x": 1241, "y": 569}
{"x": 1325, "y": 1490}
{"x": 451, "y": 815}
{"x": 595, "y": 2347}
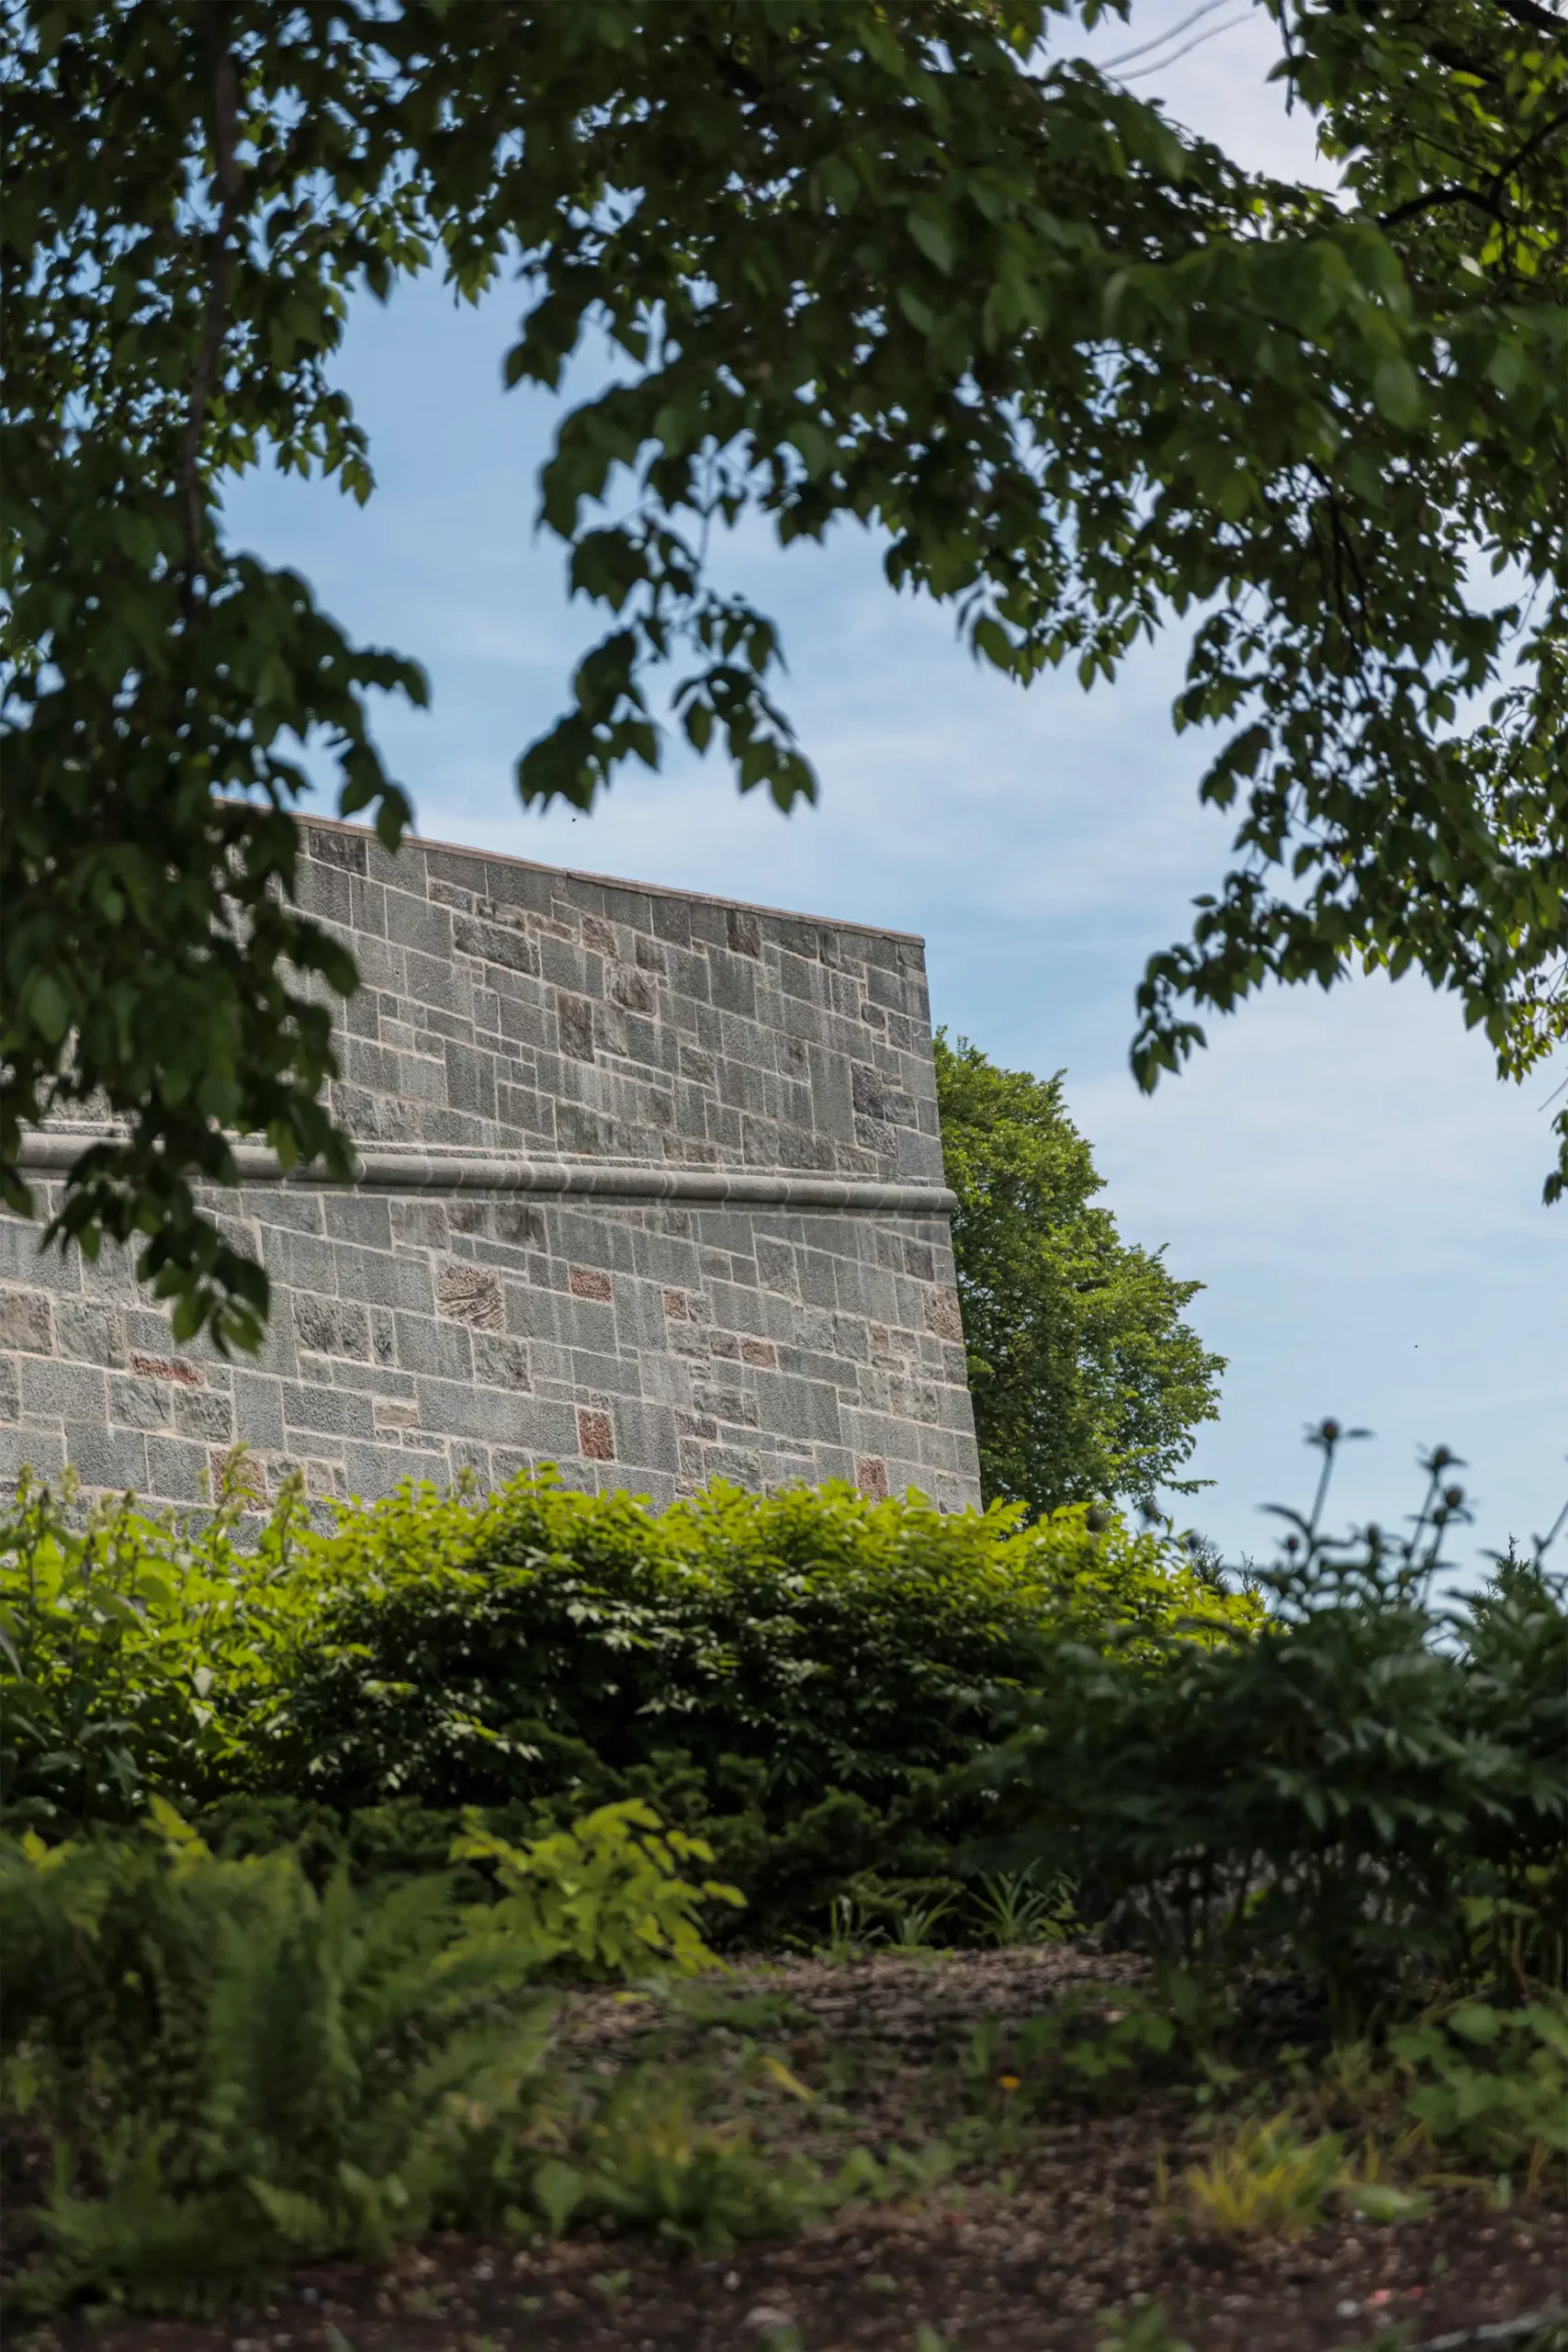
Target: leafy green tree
{"x": 1086, "y": 1381}
{"x": 894, "y": 261}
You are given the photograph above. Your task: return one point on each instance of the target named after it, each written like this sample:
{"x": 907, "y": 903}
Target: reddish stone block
{"x": 871, "y": 1476}
{"x": 588, "y": 1282}
{"x": 596, "y": 1438}
{"x": 762, "y": 1353}
{"x": 167, "y": 1368}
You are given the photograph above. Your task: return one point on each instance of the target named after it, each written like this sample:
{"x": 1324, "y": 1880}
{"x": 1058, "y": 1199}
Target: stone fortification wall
{"x": 652, "y": 1188}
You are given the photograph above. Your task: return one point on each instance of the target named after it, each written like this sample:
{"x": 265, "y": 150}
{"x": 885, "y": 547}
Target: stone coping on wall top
{"x": 472, "y": 1171}
{"x": 311, "y": 821}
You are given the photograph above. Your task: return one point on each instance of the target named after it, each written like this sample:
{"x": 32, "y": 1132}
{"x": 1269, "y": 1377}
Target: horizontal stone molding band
{"x": 462, "y": 1172}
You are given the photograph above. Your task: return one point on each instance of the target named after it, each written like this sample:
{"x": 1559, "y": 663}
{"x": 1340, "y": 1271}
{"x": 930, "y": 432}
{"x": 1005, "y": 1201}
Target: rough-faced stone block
{"x": 501, "y": 1361}
{"x": 27, "y": 1321}
{"x": 325, "y": 1412}
{"x": 206, "y": 1413}
{"x": 574, "y": 1016}
{"x": 470, "y": 1293}
{"x": 332, "y": 1326}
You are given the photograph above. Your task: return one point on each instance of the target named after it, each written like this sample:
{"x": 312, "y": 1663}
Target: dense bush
{"x": 1371, "y": 1789}
{"x": 811, "y": 1683}
{"x": 797, "y": 1676}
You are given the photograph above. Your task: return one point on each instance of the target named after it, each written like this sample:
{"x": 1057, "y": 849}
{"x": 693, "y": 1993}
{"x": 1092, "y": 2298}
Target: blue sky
{"x": 1345, "y": 1173}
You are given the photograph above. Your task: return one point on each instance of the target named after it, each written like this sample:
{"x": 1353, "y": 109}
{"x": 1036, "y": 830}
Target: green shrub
{"x": 1492, "y": 2084}
{"x": 606, "y": 1894}
{"x": 1331, "y": 1794}
{"x": 648, "y": 2160}
{"x": 124, "y": 1643}
{"x": 235, "y": 2070}
{"x": 793, "y": 1677}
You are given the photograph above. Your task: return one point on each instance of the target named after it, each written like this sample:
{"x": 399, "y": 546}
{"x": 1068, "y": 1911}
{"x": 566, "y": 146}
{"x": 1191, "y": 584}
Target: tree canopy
{"x": 1086, "y": 1383}
{"x": 902, "y": 262}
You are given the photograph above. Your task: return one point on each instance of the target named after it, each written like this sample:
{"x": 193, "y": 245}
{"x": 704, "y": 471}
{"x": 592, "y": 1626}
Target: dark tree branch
{"x": 1433, "y": 197}
{"x": 1455, "y": 192}
{"x": 1548, "y": 130}
{"x": 1539, "y": 20}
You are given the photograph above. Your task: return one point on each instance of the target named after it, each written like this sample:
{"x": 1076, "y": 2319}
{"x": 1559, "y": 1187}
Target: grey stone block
{"x": 136, "y": 1404}
{"x": 575, "y": 1017}
{"x": 504, "y": 945}
{"x": 329, "y": 1412}
{"x": 301, "y": 1262}
{"x": 258, "y": 1411}
{"x": 500, "y": 1363}
{"x": 582, "y": 1133}
{"x": 70, "y": 1392}
{"x": 512, "y": 883}
{"x": 461, "y": 1410}
{"x": 106, "y": 1457}
{"x": 374, "y": 1470}
{"x": 206, "y": 1413}
{"x": 367, "y": 903}
{"x": 362, "y": 1217}
{"x": 339, "y": 845}
{"x": 325, "y": 891}
{"x": 441, "y": 1347}
{"x": 29, "y": 1446}
{"x": 414, "y": 922}
{"x": 470, "y": 1080}
{"x": 178, "y": 1471}
{"x": 20, "y": 1258}
{"x": 372, "y": 1380}
{"x": 401, "y": 1280}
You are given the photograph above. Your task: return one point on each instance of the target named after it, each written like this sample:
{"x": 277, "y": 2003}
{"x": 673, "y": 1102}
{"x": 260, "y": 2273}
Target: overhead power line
{"x": 1212, "y": 33}
{"x": 1114, "y": 65}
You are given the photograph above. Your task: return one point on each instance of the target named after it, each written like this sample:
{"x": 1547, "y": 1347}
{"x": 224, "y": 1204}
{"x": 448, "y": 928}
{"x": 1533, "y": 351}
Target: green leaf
{"x": 1397, "y": 392}
{"x": 47, "y": 1006}
{"x": 916, "y": 308}
{"x": 932, "y": 231}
